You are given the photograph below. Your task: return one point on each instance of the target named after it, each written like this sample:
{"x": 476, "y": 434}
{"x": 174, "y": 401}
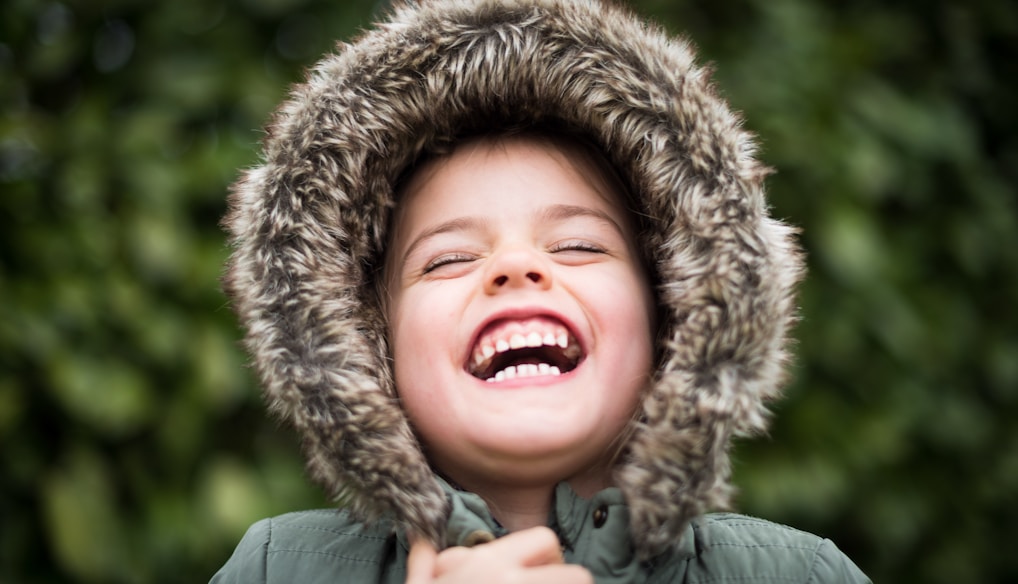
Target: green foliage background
{"x": 134, "y": 446}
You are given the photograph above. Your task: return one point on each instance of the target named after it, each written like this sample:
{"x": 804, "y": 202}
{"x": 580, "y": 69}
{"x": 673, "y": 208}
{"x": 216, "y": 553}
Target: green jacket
{"x": 326, "y": 546}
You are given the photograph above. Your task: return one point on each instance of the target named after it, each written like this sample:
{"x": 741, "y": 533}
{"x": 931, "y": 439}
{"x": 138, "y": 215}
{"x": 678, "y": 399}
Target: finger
{"x": 420, "y": 564}
{"x": 537, "y": 546}
{"x": 558, "y": 574}
{"x": 450, "y": 559}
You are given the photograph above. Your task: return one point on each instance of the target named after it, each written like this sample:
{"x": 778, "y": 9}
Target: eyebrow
{"x": 561, "y": 212}
{"x": 552, "y": 213}
{"x": 468, "y": 223}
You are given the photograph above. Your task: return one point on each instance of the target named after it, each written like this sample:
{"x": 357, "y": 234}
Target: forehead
{"x": 517, "y": 169}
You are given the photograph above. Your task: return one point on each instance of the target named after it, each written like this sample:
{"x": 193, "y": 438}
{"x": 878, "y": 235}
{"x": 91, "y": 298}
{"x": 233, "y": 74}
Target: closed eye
{"x": 445, "y": 260}
{"x": 576, "y": 245}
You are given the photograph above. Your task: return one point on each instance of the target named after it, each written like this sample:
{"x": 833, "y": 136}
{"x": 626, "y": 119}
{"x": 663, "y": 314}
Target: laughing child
{"x": 507, "y": 269}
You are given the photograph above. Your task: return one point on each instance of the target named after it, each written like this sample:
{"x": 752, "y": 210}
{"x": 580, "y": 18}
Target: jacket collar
{"x": 594, "y": 532}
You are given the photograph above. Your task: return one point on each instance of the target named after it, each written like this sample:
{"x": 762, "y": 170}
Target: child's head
{"x": 498, "y": 232}
{"x": 520, "y": 314}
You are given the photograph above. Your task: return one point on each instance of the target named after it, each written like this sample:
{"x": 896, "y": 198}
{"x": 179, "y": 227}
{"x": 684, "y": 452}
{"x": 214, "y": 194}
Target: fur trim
{"x": 308, "y": 229}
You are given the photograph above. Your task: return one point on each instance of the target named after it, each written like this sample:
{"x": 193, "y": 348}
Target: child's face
{"x": 507, "y": 243}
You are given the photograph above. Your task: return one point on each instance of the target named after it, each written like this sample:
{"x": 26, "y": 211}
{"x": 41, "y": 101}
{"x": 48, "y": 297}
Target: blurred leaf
{"x": 82, "y": 518}
{"x": 852, "y": 247}
{"x": 107, "y": 395}
{"x": 12, "y": 406}
{"x": 230, "y": 493}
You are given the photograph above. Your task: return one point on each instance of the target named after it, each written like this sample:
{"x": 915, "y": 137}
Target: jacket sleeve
{"x": 247, "y": 564}
{"x": 832, "y": 566}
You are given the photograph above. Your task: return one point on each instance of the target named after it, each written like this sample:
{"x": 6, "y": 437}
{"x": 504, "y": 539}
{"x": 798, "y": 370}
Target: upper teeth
{"x": 514, "y": 336}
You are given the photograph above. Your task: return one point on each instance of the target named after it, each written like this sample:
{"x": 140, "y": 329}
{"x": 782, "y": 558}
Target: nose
{"x": 517, "y": 268}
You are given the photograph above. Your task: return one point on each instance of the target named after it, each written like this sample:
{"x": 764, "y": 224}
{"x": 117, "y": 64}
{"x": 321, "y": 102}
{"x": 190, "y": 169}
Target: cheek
{"x": 422, "y": 335}
{"x": 404, "y": 335}
{"x": 628, "y": 303}
{"x": 628, "y": 313}
{"x": 409, "y": 363}
{"x": 406, "y": 319}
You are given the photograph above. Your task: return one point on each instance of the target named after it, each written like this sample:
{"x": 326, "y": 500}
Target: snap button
{"x": 600, "y": 516}
{"x": 477, "y": 537}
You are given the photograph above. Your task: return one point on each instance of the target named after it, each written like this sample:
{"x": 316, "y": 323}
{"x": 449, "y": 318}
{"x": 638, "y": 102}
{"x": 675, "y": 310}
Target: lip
{"x": 522, "y": 313}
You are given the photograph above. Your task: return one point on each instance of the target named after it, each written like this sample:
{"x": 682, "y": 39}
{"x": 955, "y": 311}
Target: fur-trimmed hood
{"x": 308, "y": 227}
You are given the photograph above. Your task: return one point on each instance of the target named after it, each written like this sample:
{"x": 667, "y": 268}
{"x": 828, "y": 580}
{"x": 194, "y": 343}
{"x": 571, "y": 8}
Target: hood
{"x": 308, "y": 229}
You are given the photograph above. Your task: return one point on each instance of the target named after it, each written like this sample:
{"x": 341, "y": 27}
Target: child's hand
{"x": 528, "y": 556}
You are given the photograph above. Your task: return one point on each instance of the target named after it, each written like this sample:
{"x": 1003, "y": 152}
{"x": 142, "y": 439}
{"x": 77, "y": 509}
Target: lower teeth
{"x": 525, "y": 370}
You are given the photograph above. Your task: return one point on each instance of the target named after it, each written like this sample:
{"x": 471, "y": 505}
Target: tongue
{"x": 530, "y": 360}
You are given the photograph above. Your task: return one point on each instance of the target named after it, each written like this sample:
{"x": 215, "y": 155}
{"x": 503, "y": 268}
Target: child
{"x": 507, "y": 269}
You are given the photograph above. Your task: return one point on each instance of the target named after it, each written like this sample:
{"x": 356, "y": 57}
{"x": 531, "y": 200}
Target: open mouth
{"x": 527, "y": 348}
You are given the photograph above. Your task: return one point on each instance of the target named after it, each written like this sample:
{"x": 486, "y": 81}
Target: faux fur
{"x": 308, "y": 228}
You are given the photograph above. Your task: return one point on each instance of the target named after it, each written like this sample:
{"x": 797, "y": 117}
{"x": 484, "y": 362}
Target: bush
{"x": 134, "y": 442}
